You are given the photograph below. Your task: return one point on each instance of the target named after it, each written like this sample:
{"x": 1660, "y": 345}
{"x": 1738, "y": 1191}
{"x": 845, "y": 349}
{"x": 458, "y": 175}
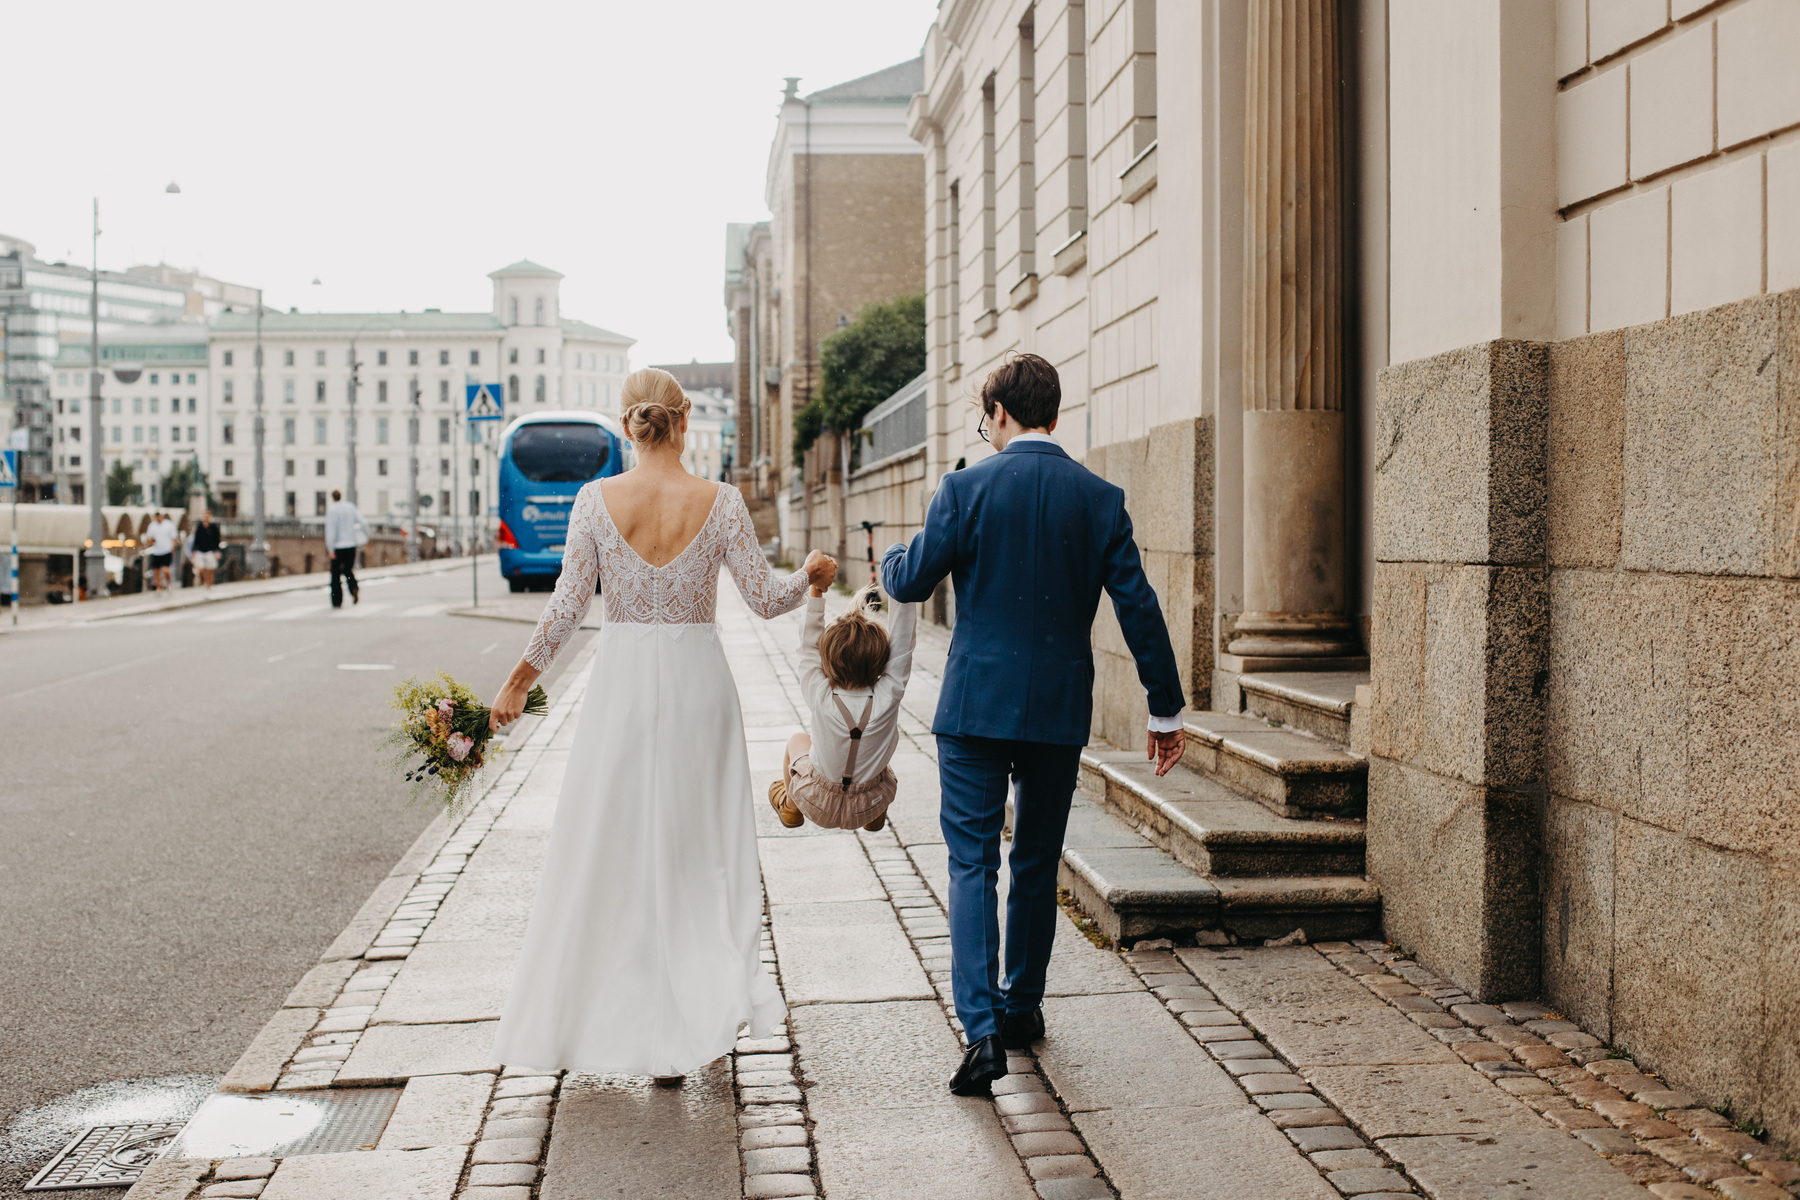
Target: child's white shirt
{"x": 830, "y": 732}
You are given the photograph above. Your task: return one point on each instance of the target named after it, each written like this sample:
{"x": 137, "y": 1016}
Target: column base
{"x": 1266, "y": 641}
{"x": 1247, "y": 664}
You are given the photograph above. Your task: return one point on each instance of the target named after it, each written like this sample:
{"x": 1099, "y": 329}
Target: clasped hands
{"x": 820, "y": 570}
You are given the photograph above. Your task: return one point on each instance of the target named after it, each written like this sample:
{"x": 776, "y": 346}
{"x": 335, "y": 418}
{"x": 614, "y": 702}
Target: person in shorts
{"x": 160, "y": 537}
{"x": 205, "y": 549}
{"x": 854, "y": 674}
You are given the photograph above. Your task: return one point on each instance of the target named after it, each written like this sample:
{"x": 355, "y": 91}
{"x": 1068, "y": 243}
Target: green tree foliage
{"x": 121, "y": 484}
{"x": 184, "y": 480}
{"x": 863, "y": 364}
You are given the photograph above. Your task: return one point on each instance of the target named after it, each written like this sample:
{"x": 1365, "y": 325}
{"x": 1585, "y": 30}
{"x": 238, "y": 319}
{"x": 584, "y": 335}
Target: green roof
{"x": 369, "y": 324}
{"x": 525, "y": 267}
{"x": 583, "y": 329}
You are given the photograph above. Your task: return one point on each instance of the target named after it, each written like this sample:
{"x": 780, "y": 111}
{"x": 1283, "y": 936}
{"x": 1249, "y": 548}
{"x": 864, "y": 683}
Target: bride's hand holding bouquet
{"x": 445, "y": 724}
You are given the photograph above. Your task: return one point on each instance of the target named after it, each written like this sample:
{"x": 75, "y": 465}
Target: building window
{"x": 191, "y": 432}
{"x": 155, "y": 433}
{"x": 412, "y": 358}
{"x": 318, "y": 358}
{"x": 512, "y": 355}
{"x": 512, "y": 390}
{"x": 443, "y": 358}
{"x": 540, "y": 389}
{"x": 318, "y": 504}
{"x": 540, "y": 354}
{"x": 319, "y": 390}
{"x": 318, "y": 431}
{"x": 287, "y": 431}
{"x": 227, "y": 359}
{"x": 513, "y": 311}
{"x": 137, "y": 433}
{"x": 381, "y": 466}
{"x": 75, "y": 406}
{"x": 287, "y": 468}
{"x": 443, "y": 466}
{"x": 191, "y": 403}
{"x": 190, "y": 377}
{"x": 62, "y": 379}
{"x": 116, "y": 402}
{"x": 474, "y": 502}
{"x": 318, "y": 466}
{"x": 287, "y": 358}
{"x": 230, "y": 467}
{"x": 174, "y": 433}
{"x": 474, "y": 358}
{"x": 381, "y": 358}
{"x": 444, "y": 433}
{"x": 443, "y": 391}
{"x": 228, "y": 391}
{"x": 75, "y": 434}
{"x": 381, "y": 392}
{"x": 154, "y": 377}
{"x": 154, "y": 404}
{"x": 292, "y": 508}
{"x": 381, "y": 431}
{"x": 538, "y": 318}
{"x": 444, "y": 503}
{"x": 350, "y": 356}
{"x": 117, "y": 430}
{"x": 287, "y": 391}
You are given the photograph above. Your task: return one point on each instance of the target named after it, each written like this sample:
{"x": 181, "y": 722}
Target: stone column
{"x": 1294, "y": 572}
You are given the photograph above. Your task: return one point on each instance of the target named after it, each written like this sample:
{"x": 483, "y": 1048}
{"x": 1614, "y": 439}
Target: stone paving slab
{"x": 849, "y": 951}
{"x": 883, "y": 1121}
{"x": 1215, "y": 1152}
{"x": 438, "y": 1110}
{"x": 484, "y": 905}
{"x": 619, "y": 1137}
{"x": 1324, "y": 1035}
{"x": 1124, "y": 1051}
{"x": 369, "y": 1175}
{"x": 1392, "y": 1101}
{"x": 1531, "y": 1164}
{"x": 1276, "y": 976}
{"x": 392, "y": 1054}
{"x": 446, "y": 982}
{"x": 817, "y": 870}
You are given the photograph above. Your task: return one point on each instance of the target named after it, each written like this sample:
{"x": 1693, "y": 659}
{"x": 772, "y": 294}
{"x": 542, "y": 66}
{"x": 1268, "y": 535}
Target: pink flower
{"x": 460, "y": 745}
{"x": 446, "y": 706}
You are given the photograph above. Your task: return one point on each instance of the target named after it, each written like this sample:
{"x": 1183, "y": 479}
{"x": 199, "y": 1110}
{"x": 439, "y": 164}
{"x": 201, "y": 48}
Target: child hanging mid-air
{"x": 854, "y": 675}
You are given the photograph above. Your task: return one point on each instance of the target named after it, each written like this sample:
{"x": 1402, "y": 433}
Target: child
{"x": 854, "y": 678}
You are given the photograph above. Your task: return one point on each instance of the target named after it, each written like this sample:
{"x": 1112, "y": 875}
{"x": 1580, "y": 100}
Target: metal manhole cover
{"x": 278, "y": 1124}
{"x": 105, "y": 1156}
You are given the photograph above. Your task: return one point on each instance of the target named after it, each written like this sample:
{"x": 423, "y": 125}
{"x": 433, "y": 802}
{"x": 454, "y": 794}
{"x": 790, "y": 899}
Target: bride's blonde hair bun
{"x": 654, "y": 405}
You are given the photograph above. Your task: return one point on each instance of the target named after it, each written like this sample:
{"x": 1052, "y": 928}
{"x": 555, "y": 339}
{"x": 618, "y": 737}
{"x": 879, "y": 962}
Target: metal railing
{"x": 896, "y": 426}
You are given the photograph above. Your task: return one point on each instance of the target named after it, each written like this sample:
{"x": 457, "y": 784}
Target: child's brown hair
{"x": 854, "y": 650}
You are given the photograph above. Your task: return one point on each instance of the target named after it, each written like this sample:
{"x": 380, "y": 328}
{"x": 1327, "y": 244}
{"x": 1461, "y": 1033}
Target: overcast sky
{"x": 398, "y": 152}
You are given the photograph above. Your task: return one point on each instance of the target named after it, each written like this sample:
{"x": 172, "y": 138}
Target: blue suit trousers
{"x": 975, "y": 773}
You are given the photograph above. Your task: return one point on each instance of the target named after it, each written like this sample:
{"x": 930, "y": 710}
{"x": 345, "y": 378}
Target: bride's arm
{"x": 563, "y": 615}
{"x": 765, "y": 593}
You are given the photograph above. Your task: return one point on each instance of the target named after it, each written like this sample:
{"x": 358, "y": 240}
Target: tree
{"x": 863, "y": 364}
{"x": 184, "y": 479}
{"x": 121, "y": 484}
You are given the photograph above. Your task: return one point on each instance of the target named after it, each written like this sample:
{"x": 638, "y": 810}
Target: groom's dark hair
{"x": 1027, "y": 387}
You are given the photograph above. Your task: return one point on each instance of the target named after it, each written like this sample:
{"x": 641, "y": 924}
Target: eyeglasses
{"x": 981, "y": 427}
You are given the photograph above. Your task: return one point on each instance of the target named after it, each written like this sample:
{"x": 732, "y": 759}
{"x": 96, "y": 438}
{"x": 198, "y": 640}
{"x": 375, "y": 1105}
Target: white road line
{"x": 296, "y": 650}
{"x": 364, "y": 610}
{"x": 425, "y": 610}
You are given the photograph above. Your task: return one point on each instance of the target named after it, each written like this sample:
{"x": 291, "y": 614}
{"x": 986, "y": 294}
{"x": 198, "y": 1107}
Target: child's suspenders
{"x": 856, "y": 732}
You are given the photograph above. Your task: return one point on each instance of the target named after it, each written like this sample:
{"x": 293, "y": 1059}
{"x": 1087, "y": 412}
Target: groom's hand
{"x": 1166, "y": 749}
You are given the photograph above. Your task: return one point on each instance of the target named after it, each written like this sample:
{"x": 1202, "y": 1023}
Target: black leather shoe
{"x": 983, "y": 1063}
{"x": 1019, "y": 1030}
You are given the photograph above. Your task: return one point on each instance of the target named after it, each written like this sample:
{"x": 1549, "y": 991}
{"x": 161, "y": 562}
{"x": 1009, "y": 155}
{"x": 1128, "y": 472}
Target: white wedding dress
{"x": 641, "y": 957}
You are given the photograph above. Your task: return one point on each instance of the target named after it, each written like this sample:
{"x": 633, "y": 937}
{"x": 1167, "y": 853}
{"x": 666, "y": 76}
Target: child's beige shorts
{"x": 828, "y": 804}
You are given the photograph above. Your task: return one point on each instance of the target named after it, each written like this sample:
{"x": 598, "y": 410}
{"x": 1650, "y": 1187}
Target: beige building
{"x": 843, "y": 188}
{"x": 1447, "y": 382}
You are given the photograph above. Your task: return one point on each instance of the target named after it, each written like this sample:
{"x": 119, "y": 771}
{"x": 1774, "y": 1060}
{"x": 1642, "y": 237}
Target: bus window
{"x": 556, "y": 453}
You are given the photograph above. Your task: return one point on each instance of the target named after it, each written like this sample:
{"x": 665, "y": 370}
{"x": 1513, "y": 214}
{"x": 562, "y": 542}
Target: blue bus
{"x": 545, "y": 458}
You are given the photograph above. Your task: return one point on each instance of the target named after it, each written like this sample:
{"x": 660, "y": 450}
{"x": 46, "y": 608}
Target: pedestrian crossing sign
{"x": 9, "y": 468}
{"x": 485, "y": 403}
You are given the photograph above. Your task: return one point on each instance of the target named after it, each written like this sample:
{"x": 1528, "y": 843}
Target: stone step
{"x": 1315, "y": 702}
{"x": 1291, "y": 774}
{"x": 1211, "y": 828}
{"x": 1134, "y": 889}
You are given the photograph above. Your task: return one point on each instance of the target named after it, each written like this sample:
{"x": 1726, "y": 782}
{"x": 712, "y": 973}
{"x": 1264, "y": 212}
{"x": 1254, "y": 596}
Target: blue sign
{"x": 9, "y": 468}
{"x": 485, "y": 402}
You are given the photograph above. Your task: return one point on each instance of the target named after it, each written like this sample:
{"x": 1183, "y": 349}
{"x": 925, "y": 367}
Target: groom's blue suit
{"x": 1030, "y": 538}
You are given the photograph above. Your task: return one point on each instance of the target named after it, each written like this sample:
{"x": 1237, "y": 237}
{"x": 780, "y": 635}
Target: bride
{"x": 642, "y": 957}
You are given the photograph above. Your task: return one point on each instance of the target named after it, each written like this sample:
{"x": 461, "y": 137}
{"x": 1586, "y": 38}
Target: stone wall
{"x": 1168, "y": 480}
{"x": 1586, "y": 706}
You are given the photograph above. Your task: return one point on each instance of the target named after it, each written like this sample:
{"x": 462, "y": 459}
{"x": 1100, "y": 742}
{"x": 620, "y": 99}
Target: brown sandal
{"x": 778, "y": 800}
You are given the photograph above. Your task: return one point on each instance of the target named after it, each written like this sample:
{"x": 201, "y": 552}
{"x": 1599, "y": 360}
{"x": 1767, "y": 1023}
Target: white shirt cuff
{"x": 1165, "y": 724}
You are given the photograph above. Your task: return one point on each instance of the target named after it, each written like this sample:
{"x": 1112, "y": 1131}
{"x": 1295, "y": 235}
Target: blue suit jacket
{"x": 1030, "y": 537}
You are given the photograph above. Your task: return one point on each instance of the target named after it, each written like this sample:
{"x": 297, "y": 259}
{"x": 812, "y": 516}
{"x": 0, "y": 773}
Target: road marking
{"x": 365, "y": 666}
{"x": 165, "y": 618}
{"x": 490, "y": 646}
{"x": 425, "y": 610}
{"x": 291, "y": 653}
{"x": 364, "y": 610}
{"x": 291, "y": 614}
{"x": 82, "y": 678}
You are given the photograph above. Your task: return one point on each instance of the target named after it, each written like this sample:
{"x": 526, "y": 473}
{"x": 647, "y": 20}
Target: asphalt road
{"x": 192, "y": 805}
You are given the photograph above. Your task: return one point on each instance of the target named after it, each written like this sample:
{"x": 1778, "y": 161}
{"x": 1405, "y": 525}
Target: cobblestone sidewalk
{"x": 1277, "y": 1073}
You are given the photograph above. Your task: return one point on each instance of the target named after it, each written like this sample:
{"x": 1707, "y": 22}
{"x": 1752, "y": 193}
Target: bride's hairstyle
{"x": 654, "y": 405}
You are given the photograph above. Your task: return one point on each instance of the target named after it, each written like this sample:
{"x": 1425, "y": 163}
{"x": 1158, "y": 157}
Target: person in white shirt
{"x": 345, "y": 532}
{"x": 160, "y": 536}
{"x": 854, "y": 675}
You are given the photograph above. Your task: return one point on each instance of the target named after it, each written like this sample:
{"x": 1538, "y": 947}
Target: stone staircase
{"x": 1258, "y": 832}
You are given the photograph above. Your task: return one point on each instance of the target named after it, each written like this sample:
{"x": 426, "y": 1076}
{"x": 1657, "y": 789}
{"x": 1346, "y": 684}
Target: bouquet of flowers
{"x": 444, "y": 722}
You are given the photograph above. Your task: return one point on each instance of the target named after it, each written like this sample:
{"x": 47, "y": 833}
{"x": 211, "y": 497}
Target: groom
{"x": 1030, "y": 538}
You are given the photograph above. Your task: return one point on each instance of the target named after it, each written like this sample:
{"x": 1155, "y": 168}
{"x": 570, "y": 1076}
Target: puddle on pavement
{"x": 35, "y": 1135}
{"x": 277, "y": 1124}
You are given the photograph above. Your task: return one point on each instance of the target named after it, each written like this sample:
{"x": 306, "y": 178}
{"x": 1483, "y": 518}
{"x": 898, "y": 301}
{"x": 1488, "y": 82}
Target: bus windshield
{"x": 560, "y": 453}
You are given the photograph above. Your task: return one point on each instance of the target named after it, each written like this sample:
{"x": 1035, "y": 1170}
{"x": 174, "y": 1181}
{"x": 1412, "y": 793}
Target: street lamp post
{"x": 259, "y": 542}
{"x": 412, "y": 447}
{"x": 350, "y": 425}
{"x": 96, "y": 550}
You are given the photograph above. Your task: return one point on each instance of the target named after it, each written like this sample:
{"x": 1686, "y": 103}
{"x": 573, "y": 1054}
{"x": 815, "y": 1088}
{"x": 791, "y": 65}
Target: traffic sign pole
{"x": 9, "y": 478}
{"x": 482, "y": 402}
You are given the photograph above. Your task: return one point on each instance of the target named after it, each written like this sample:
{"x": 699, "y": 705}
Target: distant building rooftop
{"x": 895, "y": 85}
{"x": 695, "y": 376}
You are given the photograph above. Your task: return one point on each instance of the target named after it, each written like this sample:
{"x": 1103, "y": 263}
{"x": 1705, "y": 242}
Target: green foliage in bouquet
{"x": 444, "y": 722}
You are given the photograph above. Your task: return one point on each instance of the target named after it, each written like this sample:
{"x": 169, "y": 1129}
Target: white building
{"x": 542, "y": 359}
{"x": 154, "y": 406}
{"x": 709, "y": 421}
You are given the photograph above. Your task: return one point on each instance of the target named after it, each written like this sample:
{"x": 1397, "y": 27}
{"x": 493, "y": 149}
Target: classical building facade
{"x": 524, "y": 344}
{"x": 1447, "y": 356}
{"x": 843, "y": 188}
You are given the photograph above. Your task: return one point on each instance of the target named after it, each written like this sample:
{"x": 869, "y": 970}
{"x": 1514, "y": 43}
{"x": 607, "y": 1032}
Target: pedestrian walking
{"x": 345, "y": 533}
{"x": 204, "y": 549}
{"x": 160, "y": 537}
{"x": 1030, "y": 538}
